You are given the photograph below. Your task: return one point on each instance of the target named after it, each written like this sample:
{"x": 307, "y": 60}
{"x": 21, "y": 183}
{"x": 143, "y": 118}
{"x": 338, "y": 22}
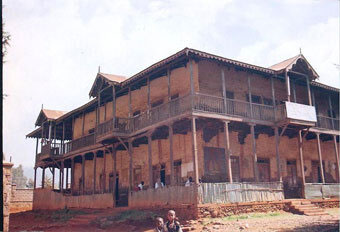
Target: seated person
{"x": 172, "y": 225}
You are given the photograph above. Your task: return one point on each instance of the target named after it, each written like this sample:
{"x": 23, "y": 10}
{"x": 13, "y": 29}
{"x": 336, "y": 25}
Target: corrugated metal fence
{"x": 240, "y": 192}
{"x": 322, "y": 190}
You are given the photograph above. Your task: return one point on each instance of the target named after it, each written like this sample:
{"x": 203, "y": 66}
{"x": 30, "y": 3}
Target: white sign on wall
{"x": 300, "y": 112}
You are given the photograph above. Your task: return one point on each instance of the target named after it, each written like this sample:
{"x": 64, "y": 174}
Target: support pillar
{"x": 337, "y": 169}
{"x": 250, "y": 98}
{"x": 151, "y": 185}
{"x": 308, "y": 90}
{"x": 35, "y": 178}
{"x": 83, "y": 174}
{"x": 228, "y": 151}
{"x": 104, "y": 172}
{"x": 302, "y": 165}
{"x": 194, "y": 149}
{"x": 172, "y": 179}
{"x": 66, "y": 185}
{"x": 53, "y": 178}
{"x": 62, "y": 175}
{"x": 224, "y": 92}
{"x": 287, "y": 85}
{"x": 43, "y": 178}
{"x": 94, "y": 171}
{"x": 130, "y": 167}
{"x": 320, "y": 158}
{"x": 277, "y": 143}
{"x": 256, "y": 173}
{"x": 72, "y": 175}
{"x": 60, "y": 182}
{"x": 114, "y": 158}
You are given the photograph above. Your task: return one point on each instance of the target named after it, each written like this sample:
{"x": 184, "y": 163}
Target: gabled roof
{"x": 104, "y": 79}
{"x": 46, "y": 114}
{"x": 292, "y": 64}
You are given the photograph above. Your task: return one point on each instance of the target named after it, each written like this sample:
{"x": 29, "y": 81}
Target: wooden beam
{"x": 250, "y": 97}
{"x": 114, "y": 158}
{"x": 308, "y": 90}
{"x": 224, "y": 91}
{"x": 172, "y": 179}
{"x": 277, "y": 143}
{"x": 331, "y": 110}
{"x": 302, "y": 166}
{"x": 43, "y": 178}
{"x": 194, "y": 149}
{"x": 273, "y": 96}
{"x": 35, "y": 178}
{"x": 72, "y": 174}
{"x": 256, "y": 173}
{"x": 287, "y": 85}
{"x": 320, "y": 158}
{"x": 337, "y": 159}
{"x": 94, "y": 171}
{"x": 227, "y": 151}
{"x": 53, "y": 178}
{"x": 151, "y": 185}
{"x": 169, "y": 85}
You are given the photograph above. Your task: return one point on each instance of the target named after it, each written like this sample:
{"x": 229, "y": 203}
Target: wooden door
{"x": 291, "y": 187}
{"x": 235, "y": 168}
{"x": 177, "y": 172}
{"x": 316, "y": 172}
{"x": 214, "y": 165}
{"x": 263, "y": 166}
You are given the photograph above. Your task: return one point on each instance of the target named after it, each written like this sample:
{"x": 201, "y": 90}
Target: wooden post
{"x": 55, "y": 134}
{"x": 277, "y": 143}
{"x": 60, "y": 182}
{"x": 302, "y": 166}
{"x": 331, "y": 110}
{"x": 169, "y": 85}
{"x": 35, "y": 178}
{"x": 43, "y": 178}
{"x": 250, "y": 98}
{"x": 114, "y": 105}
{"x": 104, "y": 172}
{"x": 192, "y": 84}
{"x": 52, "y": 178}
{"x": 98, "y": 110}
{"x": 313, "y": 98}
{"x": 148, "y": 93}
{"x": 337, "y": 159}
{"x": 224, "y": 91}
{"x": 83, "y": 174}
{"x": 42, "y": 134}
{"x": 94, "y": 171}
{"x": 256, "y": 173}
{"x": 130, "y": 106}
{"x": 194, "y": 149}
{"x": 308, "y": 90}
{"x": 83, "y": 124}
{"x": 36, "y": 146}
{"x": 114, "y": 158}
{"x": 72, "y": 175}
{"x": 50, "y": 131}
{"x": 150, "y": 161}
{"x": 287, "y": 85}
{"x": 273, "y": 96}
{"x": 172, "y": 179}
{"x": 66, "y": 185}
{"x": 63, "y": 139}
{"x": 320, "y": 158}
{"x": 130, "y": 167}
{"x": 62, "y": 175}
{"x": 227, "y": 151}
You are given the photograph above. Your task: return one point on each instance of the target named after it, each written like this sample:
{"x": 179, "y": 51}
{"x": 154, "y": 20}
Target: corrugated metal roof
{"x": 113, "y": 77}
{"x": 53, "y": 114}
{"x": 284, "y": 64}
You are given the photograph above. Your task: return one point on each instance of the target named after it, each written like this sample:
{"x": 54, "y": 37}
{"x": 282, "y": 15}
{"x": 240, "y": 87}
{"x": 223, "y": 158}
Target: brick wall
{"x": 22, "y": 200}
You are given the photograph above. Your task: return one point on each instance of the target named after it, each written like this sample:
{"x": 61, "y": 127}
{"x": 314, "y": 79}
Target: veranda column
{"x": 66, "y": 185}
{"x": 224, "y": 92}
{"x": 253, "y": 139}
{"x": 150, "y": 161}
{"x": 277, "y": 143}
{"x": 287, "y": 85}
{"x": 114, "y": 105}
{"x": 72, "y": 174}
{"x": 83, "y": 174}
{"x": 52, "y": 178}
{"x": 94, "y": 171}
{"x": 302, "y": 165}
{"x": 62, "y": 175}
{"x": 308, "y": 90}
{"x": 114, "y": 158}
{"x": 320, "y": 158}
{"x": 130, "y": 167}
{"x": 104, "y": 170}
{"x": 194, "y": 149}
{"x": 336, "y": 158}
{"x": 35, "y": 178}
{"x": 172, "y": 180}
{"x": 228, "y": 151}
{"x": 43, "y": 178}
{"x": 60, "y": 182}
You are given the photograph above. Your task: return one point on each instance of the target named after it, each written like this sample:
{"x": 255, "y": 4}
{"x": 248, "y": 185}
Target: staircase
{"x": 305, "y": 207}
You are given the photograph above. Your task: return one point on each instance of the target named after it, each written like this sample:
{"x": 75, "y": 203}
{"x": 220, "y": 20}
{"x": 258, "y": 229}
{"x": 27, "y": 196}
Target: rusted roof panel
{"x": 113, "y": 77}
{"x": 53, "y": 114}
{"x": 284, "y": 64}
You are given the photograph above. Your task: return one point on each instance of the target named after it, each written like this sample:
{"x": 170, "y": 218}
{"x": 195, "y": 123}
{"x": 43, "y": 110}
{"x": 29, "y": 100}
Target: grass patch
{"x": 252, "y": 215}
{"x": 134, "y": 215}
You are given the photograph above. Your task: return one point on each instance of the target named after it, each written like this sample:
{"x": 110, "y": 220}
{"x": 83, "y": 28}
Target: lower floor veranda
{"x": 241, "y": 157}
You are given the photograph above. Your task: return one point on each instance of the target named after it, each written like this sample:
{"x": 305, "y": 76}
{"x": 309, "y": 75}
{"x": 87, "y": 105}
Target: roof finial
{"x": 99, "y": 69}
{"x": 42, "y": 106}
{"x": 300, "y": 51}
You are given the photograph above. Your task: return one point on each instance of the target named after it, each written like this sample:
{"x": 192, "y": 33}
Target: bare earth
{"x": 99, "y": 220}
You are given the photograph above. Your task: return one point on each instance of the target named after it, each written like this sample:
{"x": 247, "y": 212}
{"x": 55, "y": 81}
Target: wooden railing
{"x": 79, "y": 143}
{"x": 49, "y": 150}
{"x": 327, "y": 122}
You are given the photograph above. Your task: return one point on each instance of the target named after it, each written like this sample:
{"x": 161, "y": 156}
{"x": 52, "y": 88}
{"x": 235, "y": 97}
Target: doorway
{"x": 263, "y": 166}
{"x": 316, "y": 172}
{"x": 291, "y": 187}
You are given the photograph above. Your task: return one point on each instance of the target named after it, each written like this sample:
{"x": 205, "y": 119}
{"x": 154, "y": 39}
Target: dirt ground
{"x": 117, "y": 220}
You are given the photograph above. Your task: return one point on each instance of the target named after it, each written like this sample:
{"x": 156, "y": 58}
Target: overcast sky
{"x": 57, "y": 46}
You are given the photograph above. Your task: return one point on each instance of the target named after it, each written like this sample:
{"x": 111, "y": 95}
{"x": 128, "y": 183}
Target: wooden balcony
{"x": 79, "y": 143}
{"x": 48, "y": 151}
{"x": 327, "y": 123}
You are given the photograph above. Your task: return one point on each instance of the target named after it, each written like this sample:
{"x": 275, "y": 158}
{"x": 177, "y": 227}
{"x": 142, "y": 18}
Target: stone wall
{"x": 22, "y": 200}
{"x": 6, "y": 187}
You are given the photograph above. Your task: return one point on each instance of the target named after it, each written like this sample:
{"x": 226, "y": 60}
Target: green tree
{"x": 30, "y": 183}
{"x": 18, "y": 177}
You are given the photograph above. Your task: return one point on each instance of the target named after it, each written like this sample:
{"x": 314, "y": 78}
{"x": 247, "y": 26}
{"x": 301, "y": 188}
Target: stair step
{"x": 317, "y": 214}
{"x": 305, "y": 207}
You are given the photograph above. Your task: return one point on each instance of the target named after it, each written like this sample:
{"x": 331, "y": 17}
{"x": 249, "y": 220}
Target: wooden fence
{"x": 313, "y": 190}
{"x": 240, "y": 192}
{"x": 169, "y": 195}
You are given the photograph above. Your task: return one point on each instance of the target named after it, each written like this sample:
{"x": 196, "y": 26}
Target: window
{"x": 267, "y": 101}
{"x": 254, "y": 99}
{"x": 137, "y": 112}
{"x": 229, "y": 94}
{"x": 175, "y": 96}
{"x": 157, "y": 103}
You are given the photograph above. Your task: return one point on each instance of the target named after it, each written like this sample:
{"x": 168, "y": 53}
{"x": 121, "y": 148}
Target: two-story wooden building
{"x": 242, "y": 132}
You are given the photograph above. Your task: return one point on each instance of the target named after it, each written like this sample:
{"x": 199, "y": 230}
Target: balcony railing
{"x": 49, "y": 150}
{"x": 79, "y": 143}
{"x": 327, "y": 123}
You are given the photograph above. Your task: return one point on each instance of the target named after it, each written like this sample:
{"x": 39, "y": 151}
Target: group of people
{"x": 172, "y": 225}
{"x": 160, "y": 184}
